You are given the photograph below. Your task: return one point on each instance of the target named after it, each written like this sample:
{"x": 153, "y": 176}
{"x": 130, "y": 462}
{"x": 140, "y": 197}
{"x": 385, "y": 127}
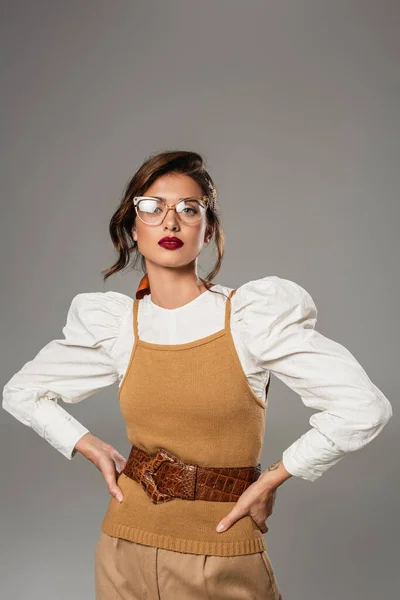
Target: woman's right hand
{"x": 105, "y": 458}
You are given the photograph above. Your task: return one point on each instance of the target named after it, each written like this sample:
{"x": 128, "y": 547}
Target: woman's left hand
{"x": 257, "y": 501}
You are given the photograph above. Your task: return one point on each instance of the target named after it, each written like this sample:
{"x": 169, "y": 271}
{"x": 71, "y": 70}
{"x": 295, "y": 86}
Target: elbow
{"x": 9, "y": 406}
{"x": 377, "y": 417}
{"x": 384, "y": 416}
{"x": 355, "y": 433}
{"x": 14, "y": 404}
{"x": 381, "y": 411}
{"x": 6, "y": 399}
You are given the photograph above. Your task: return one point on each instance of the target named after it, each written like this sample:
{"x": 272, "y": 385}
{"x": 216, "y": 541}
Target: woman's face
{"x": 172, "y": 187}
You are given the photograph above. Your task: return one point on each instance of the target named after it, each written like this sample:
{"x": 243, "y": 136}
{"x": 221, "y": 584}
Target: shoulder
{"x": 98, "y": 313}
{"x": 110, "y": 301}
{"x": 272, "y": 299}
{"x": 273, "y": 288}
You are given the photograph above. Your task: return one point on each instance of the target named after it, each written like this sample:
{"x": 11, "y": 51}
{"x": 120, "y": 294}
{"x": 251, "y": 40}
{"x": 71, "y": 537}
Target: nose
{"x": 171, "y": 220}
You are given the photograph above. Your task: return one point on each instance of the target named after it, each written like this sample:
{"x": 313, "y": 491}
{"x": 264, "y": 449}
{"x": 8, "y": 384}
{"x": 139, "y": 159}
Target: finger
{"x": 263, "y": 527}
{"x": 119, "y": 460}
{"x": 119, "y": 464}
{"x": 230, "y": 519}
{"x": 117, "y": 455}
{"x": 108, "y": 470}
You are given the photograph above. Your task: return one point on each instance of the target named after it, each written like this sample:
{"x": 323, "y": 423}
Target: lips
{"x": 170, "y": 242}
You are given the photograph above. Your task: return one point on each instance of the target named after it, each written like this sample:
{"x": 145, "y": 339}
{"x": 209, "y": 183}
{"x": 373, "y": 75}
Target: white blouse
{"x": 273, "y": 326}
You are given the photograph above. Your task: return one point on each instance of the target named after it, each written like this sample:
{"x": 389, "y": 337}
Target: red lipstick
{"x": 170, "y": 242}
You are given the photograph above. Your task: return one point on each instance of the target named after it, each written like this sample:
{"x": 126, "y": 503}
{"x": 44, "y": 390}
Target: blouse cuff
{"x": 311, "y": 455}
{"x": 50, "y": 421}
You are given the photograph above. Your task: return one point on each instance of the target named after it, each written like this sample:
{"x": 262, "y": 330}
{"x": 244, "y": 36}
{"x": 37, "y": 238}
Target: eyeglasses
{"x": 152, "y": 210}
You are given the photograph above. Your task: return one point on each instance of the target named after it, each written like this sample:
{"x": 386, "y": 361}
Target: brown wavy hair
{"x": 121, "y": 224}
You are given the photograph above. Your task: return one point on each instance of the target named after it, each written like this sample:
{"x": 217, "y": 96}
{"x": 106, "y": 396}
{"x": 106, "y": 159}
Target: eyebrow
{"x": 187, "y": 198}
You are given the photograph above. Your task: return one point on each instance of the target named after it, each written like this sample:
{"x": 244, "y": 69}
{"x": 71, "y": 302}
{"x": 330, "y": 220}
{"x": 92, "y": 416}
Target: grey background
{"x": 295, "y": 106}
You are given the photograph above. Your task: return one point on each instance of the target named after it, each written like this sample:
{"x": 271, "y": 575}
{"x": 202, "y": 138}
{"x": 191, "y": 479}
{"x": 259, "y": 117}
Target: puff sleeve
{"x": 72, "y": 369}
{"x": 277, "y": 318}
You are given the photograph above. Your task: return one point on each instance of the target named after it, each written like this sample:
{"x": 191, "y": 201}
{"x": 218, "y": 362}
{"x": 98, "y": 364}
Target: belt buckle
{"x": 149, "y": 469}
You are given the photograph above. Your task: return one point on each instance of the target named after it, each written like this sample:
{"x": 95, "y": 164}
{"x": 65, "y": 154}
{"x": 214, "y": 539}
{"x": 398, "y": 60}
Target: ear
{"x": 134, "y": 233}
{"x": 208, "y": 235}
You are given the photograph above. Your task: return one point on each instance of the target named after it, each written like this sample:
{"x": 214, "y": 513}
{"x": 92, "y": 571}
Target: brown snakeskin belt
{"x": 163, "y": 476}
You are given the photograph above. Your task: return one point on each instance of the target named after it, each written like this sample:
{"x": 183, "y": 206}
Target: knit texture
{"x": 194, "y": 400}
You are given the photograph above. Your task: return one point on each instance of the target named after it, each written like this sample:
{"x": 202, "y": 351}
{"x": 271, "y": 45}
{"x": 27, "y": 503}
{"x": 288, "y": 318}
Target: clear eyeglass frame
{"x": 137, "y": 199}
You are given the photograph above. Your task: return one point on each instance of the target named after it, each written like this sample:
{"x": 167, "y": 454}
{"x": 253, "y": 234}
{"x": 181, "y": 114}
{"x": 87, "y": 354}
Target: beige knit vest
{"x": 194, "y": 400}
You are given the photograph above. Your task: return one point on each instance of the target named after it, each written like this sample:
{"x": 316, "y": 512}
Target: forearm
{"x": 274, "y": 475}
{"x": 40, "y": 411}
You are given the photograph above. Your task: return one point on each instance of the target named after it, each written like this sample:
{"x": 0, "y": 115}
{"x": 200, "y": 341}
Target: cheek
{"x": 146, "y": 237}
{"x": 194, "y": 242}
{"x": 198, "y": 235}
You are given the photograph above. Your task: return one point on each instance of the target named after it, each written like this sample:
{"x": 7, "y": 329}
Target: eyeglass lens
{"x": 152, "y": 210}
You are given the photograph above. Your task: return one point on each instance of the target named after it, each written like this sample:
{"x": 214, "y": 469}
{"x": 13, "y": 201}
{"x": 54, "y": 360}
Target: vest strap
{"x": 228, "y": 309}
{"x": 135, "y": 318}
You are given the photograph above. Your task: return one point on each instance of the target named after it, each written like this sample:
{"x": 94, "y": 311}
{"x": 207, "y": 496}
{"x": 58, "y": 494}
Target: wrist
{"x": 82, "y": 444}
{"x": 274, "y": 476}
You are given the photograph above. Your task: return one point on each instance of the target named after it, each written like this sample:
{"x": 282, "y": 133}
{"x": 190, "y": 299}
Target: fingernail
{"x": 220, "y": 527}
{"x": 119, "y": 497}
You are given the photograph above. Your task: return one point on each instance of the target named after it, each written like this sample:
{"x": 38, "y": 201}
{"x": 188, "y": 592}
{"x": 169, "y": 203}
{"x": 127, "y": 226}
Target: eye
{"x": 189, "y": 207}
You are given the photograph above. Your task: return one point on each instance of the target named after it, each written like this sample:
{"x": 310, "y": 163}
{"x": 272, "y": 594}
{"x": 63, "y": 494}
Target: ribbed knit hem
{"x": 147, "y": 538}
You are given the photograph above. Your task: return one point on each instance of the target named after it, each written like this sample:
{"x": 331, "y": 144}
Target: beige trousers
{"x": 126, "y": 570}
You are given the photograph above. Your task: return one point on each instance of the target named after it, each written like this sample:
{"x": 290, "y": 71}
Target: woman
{"x": 193, "y": 361}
